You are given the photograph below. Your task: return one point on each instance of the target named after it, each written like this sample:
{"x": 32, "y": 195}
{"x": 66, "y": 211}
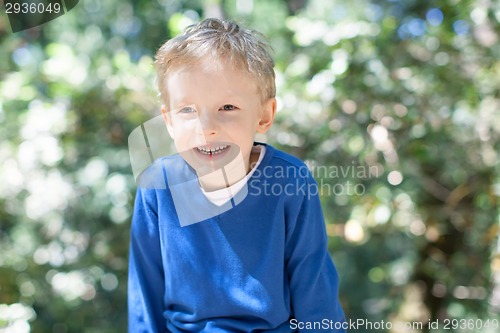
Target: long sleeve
{"x": 312, "y": 275}
{"x": 146, "y": 282}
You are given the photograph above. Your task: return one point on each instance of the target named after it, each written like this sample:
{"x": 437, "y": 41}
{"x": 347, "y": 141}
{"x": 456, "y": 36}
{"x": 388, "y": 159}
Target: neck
{"x": 224, "y": 177}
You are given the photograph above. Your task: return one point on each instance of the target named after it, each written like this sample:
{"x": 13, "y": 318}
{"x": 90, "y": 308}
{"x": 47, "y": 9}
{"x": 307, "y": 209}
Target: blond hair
{"x": 225, "y": 42}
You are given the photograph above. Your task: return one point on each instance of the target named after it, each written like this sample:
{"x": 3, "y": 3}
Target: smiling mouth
{"x": 207, "y": 150}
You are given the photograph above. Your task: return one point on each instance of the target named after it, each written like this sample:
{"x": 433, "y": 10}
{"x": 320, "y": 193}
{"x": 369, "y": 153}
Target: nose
{"x": 208, "y": 124}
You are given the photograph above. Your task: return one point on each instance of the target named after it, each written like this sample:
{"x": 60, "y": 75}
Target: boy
{"x": 227, "y": 235}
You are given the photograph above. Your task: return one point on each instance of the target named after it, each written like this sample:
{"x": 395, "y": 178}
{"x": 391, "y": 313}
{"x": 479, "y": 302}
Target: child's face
{"x": 213, "y": 114}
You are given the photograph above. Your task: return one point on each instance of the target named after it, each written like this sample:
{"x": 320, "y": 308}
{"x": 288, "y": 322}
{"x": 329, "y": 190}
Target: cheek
{"x": 186, "y": 127}
{"x": 188, "y": 134}
{"x": 245, "y": 123}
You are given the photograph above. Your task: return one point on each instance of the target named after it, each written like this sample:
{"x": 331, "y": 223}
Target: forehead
{"x": 211, "y": 79}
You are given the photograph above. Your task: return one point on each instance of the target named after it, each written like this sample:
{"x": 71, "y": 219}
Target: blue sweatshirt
{"x": 261, "y": 265}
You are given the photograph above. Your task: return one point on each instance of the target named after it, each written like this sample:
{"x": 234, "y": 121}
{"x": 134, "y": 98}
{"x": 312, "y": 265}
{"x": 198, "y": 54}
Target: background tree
{"x": 405, "y": 93}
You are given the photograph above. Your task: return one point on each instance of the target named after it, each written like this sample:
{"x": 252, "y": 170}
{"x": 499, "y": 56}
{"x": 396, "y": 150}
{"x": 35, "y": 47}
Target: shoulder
{"x": 154, "y": 182}
{"x": 286, "y": 164}
{"x": 157, "y": 175}
{"x": 288, "y": 159}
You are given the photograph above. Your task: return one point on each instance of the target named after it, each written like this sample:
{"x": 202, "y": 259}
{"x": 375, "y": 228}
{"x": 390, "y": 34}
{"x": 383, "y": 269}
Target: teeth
{"x": 213, "y": 150}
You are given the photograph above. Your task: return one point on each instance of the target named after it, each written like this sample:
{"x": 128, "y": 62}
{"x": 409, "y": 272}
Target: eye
{"x": 186, "y": 109}
{"x": 228, "y": 107}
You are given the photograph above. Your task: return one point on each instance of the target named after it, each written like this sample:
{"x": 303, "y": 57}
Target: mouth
{"x": 212, "y": 150}
{"x": 212, "y": 156}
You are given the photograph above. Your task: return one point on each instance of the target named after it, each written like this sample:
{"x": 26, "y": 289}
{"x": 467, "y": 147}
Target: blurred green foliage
{"x": 393, "y": 104}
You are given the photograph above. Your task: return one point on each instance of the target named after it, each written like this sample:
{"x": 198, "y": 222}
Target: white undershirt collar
{"x": 220, "y": 197}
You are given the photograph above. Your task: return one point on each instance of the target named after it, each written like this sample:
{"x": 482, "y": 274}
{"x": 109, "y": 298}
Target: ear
{"x": 267, "y": 115}
{"x": 167, "y": 117}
